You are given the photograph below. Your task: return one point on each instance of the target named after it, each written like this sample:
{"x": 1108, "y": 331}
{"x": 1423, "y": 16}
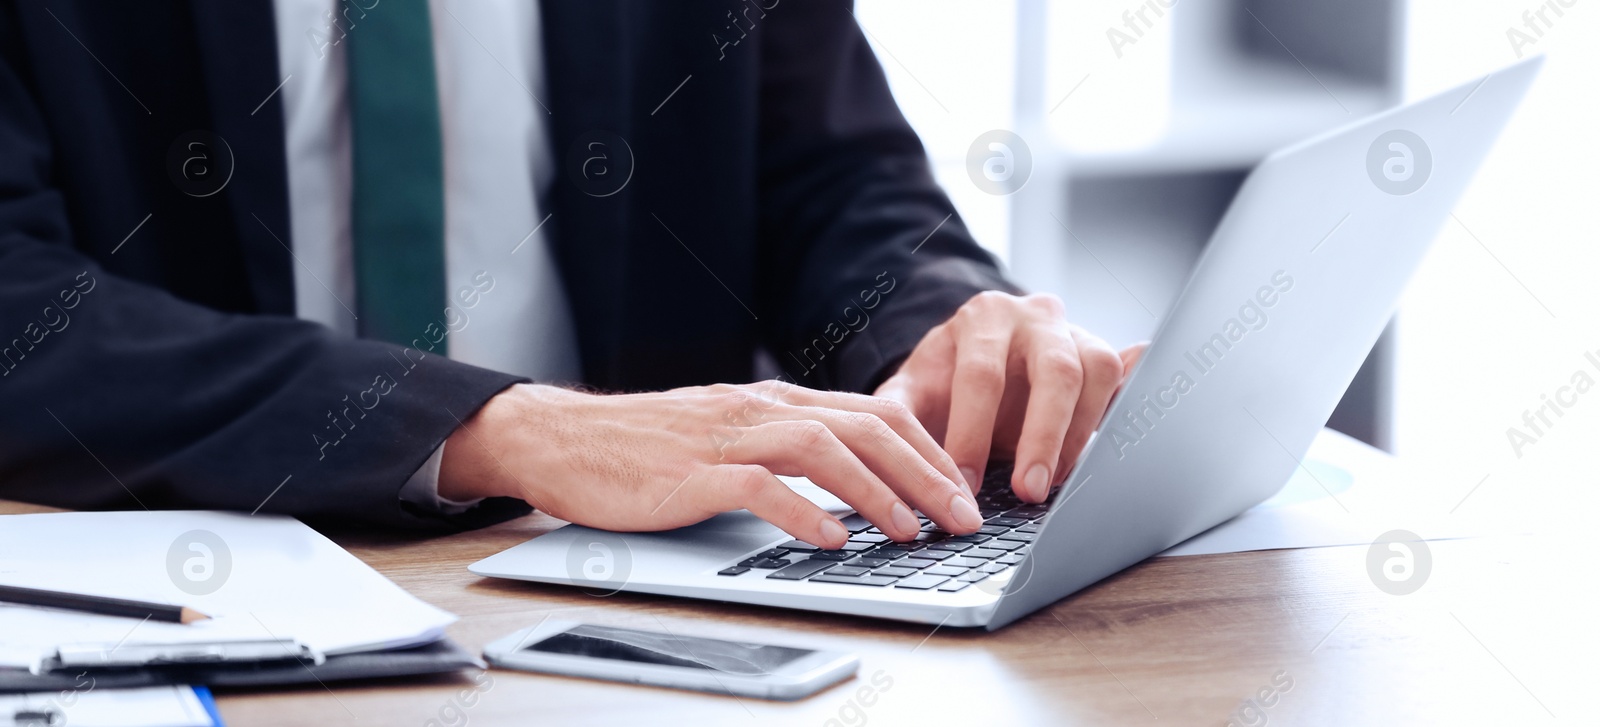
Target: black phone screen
{"x": 646, "y": 647}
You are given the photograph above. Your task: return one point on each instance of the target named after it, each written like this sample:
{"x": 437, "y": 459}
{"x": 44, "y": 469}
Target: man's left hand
{"x": 1008, "y": 377}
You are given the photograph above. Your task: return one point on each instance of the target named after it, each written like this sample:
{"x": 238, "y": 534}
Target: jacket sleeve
{"x": 116, "y": 394}
{"x": 862, "y": 250}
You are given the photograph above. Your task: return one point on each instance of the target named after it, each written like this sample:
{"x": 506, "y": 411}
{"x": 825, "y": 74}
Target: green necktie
{"x": 397, "y": 159}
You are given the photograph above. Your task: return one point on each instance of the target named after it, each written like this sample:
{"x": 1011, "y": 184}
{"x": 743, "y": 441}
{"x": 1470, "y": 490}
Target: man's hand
{"x": 664, "y": 460}
{"x": 1010, "y": 377}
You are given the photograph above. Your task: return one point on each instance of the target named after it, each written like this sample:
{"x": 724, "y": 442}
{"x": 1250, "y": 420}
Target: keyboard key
{"x": 856, "y": 581}
{"x": 1006, "y": 545}
{"x": 800, "y": 547}
{"x": 931, "y": 554}
{"x": 733, "y": 570}
{"x": 992, "y": 568}
{"x": 984, "y": 553}
{"x": 1019, "y": 536}
{"x": 973, "y": 577}
{"x": 953, "y": 586}
{"x": 848, "y": 570}
{"x": 895, "y": 571}
{"x": 1006, "y": 522}
{"x": 751, "y": 560}
{"x": 974, "y": 538}
{"x": 801, "y": 570}
{"x": 770, "y": 563}
{"x": 833, "y": 555}
{"x": 921, "y": 582}
{"x": 1029, "y": 528}
{"x": 774, "y": 553}
{"x": 1031, "y": 512}
{"x": 1010, "y": 559}
{"x": 855, "y": 523}
{"x": 999, "y": 492}
{"x": 950, "y": 546}
{"x": 964, "y": 562}
{"x": 869, "y": 537}
{"x": 931, "y": 537}
{"x": 915, "y": 563}
{"x": 868, "y": 562}
{"x": 890, "y": 553}
{"x": 944, "y": 570}
{"x": 855, "y": 547}
{"x": 988, "y": 530}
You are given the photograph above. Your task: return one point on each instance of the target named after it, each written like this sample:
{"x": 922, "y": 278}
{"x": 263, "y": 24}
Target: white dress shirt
{"x": 497, "y": 164}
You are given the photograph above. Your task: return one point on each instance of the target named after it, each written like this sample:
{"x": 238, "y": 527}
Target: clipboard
{"x": 439, "y": 657}
{"x": 279, "y": 594}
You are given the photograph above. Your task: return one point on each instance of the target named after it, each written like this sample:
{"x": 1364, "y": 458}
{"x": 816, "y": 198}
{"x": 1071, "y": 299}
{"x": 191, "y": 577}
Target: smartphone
{"x": 680, "y": 661}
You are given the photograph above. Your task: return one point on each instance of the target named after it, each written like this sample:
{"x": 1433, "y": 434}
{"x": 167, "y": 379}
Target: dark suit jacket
{"x": 166, "y": 368}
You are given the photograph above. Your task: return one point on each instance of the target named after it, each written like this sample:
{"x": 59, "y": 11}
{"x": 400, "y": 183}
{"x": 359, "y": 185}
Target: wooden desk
{"x": 1171, "y": 641}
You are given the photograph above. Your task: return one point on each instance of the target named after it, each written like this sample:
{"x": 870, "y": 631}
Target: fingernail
{"x": 1037, "y": 482}
{"x": 903, "y": 520}
{"x": 965, "y": 513}
{"x": 832, "y": 532}
{"x": 971, "y": 476}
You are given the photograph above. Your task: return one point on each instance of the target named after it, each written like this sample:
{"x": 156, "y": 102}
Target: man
{"x": 308, "y": 257}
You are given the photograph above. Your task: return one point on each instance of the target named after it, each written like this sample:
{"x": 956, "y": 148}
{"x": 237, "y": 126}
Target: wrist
{"x": 486, "y": 456}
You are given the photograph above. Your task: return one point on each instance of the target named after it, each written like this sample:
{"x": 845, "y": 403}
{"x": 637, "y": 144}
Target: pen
{"x": 100, "y": 604}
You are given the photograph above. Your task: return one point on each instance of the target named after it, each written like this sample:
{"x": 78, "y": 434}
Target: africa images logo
{"x": 999, "y": 162}
{"x": 600, "y": 560}
{"x": 200, "y": 163}
{"x": 1399, "y": 562}
{"x": 199, "y": 562}
{"x": 1399, "y": 162}
{"x": 600, "y": 163}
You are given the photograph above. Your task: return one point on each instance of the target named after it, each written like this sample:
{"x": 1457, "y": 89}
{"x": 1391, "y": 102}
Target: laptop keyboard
{"x": 936, "y": 560}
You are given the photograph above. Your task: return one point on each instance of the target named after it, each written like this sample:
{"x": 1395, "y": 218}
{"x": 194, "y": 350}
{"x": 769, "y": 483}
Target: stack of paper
{"x": 260, "y": 577}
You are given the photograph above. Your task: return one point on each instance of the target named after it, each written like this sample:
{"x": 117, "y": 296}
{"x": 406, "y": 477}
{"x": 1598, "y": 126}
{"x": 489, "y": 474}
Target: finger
{"x": 810, "y": 449}
{"x": 922, "y": 382}
{"x": 1130, "y": 356}
{"x": 1102, "y": 376}
{"x": 1055, "y": 381}
{"x": 884, "y": 435}
{"x": 903, "y": 468}
{"x": 900, "y": 419}
{"x": 979, "y": 382}
{"x": 754, "y": 488}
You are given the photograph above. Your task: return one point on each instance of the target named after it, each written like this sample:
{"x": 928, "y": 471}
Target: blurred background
{"x": 1141, "y": 120}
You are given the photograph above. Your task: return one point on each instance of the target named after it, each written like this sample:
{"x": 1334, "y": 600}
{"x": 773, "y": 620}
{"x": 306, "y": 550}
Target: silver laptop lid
{"x": 1294, "y": 288}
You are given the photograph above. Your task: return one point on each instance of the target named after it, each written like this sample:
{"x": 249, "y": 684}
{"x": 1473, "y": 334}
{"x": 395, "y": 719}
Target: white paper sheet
{"x": 1346, "y": 493}
{"x": 171, "y": 706}
{"x": 277, "y": 578}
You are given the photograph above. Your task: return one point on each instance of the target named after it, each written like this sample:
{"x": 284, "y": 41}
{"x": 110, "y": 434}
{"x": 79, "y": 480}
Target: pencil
{"x": 103, "y": 605}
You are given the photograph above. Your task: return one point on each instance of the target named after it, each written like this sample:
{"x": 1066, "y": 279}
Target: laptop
{"x": 1298, "y": 281}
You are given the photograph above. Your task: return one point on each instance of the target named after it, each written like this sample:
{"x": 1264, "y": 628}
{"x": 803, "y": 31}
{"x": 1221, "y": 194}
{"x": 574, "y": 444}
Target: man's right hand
{"x": 657, "y": 461}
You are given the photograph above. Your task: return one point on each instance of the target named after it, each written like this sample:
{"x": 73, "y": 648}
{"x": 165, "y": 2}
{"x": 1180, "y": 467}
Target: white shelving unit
{"x": 1115, "y": 232}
